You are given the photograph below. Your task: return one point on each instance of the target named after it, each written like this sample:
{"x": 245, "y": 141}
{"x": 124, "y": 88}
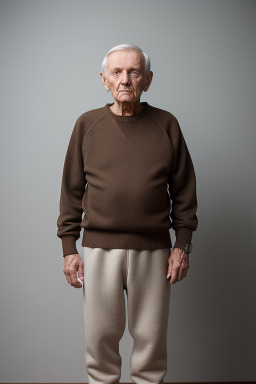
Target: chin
{"x": 126, "y": 98}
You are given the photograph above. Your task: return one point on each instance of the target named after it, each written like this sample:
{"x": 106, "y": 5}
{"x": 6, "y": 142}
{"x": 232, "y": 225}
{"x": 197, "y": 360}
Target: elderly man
{"x": 125, "y": 162}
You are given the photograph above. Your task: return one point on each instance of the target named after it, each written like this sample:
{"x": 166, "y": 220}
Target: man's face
{"x": 126, "y": 75}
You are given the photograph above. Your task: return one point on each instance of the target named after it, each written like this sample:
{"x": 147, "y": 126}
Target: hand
{"x": 178, "y": 265}
{"x": 72, "y": 263}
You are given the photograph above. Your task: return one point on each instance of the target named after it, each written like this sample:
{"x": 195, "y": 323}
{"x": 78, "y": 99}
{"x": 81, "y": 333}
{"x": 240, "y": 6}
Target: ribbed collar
{"x": 127, "y": 119}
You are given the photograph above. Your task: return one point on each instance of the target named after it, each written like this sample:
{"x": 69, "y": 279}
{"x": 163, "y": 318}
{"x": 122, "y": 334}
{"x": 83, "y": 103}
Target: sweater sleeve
{"x": 182, "y": 189}
{"x": 72, "y": 191}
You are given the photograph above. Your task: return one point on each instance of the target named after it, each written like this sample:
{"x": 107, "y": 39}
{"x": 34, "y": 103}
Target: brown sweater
{"x": 132, "y": 177}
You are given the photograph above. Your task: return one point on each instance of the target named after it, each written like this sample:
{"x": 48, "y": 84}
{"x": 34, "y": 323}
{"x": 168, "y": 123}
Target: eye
{"x": 135, "y": 73}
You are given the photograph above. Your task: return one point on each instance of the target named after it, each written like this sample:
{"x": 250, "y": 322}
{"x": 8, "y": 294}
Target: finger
{"x": 68, "y": 279}
{"x": 67, "y": 275}
{"x": 81, "y": 272}
{"x": 174, "y": 274}
{"x": 181, "y": 272}
{"x": 70, "y": 273}
{"x": 169, "y": 269}
{"x": 185, "y": 271}
{"x": 75, "y": 283}
{"x": 73, "y": 277}
{"x": 79, "y": 285}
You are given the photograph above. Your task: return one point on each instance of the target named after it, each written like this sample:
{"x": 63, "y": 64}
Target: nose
{"x": 125, "y": 78}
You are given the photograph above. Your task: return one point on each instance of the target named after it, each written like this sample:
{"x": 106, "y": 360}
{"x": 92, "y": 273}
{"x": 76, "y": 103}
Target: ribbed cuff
{"x": 183, "y": 236}
{"x": 68, "y": 245}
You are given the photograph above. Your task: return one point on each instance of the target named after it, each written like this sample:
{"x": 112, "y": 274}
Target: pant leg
{"x": 104, "y": 313}
{"x": 148, "y": 300}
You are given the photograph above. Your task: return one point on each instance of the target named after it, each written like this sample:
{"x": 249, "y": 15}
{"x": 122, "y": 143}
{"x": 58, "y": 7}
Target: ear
{"x": 148, "y": 81}
{"x": 104, "y": 81}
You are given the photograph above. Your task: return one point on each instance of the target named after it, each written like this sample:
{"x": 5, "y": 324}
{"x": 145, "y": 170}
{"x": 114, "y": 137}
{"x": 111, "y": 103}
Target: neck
{"x": 126, "y": 109}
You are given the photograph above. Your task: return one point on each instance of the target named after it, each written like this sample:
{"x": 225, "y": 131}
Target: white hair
{"x": 126, "y": 46}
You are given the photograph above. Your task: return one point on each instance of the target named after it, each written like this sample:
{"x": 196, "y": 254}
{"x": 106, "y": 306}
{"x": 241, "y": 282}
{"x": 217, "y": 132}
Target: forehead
{"x": 125, "y": 58}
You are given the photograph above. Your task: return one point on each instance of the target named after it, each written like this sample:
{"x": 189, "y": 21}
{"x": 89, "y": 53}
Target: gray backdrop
{"x": 203, "y": 59}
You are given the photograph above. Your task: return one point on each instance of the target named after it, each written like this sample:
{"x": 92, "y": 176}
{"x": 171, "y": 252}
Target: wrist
{"x": 68, "y": 245}
{"x": 183, "y": 237}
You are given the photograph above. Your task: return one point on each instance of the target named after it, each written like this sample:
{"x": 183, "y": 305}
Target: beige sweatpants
{"x": 142, "y": 275}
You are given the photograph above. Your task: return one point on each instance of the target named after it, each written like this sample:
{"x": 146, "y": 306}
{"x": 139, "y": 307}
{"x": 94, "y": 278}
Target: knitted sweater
{"x": 133, "y": 179}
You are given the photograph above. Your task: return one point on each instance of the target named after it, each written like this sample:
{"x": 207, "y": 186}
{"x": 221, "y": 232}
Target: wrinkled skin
{"x": 126, "y": 78}
{"x": 73, "y": 264}
{"x": 178, "y": 264}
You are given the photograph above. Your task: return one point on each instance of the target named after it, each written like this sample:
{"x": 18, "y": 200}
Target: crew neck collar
{"x": 127, "y": 119}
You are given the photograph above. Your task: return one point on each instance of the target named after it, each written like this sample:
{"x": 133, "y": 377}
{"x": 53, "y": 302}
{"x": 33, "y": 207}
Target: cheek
{"x": 138, "y": 86}
{"x": 114, "y": 85}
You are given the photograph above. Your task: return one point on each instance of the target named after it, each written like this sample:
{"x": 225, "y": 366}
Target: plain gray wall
{"x": 203, "y": 59}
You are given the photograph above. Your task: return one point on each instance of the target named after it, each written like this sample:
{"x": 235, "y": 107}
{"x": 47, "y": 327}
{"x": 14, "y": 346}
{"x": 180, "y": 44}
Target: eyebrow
{"x": 137, "y": 68}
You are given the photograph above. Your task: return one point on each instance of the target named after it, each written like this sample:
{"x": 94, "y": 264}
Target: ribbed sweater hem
{"x": 126, "y": 240}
